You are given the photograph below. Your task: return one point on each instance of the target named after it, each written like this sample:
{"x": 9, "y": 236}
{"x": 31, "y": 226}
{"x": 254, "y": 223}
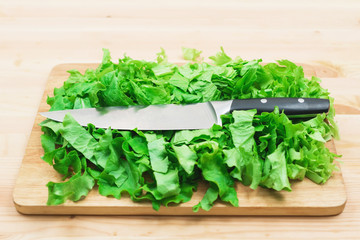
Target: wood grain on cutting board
{"x": 30, "y": 193}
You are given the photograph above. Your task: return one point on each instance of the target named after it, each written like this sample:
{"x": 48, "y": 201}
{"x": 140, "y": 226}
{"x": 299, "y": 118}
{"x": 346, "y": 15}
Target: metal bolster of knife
{"x": 221, "y": 108}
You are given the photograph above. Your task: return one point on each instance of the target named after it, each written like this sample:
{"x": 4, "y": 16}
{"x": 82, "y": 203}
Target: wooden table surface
{"x": 36, "y": 35}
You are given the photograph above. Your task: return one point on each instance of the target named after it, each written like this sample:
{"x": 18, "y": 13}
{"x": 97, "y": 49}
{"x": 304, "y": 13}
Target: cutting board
{"x": 30, "y": 192}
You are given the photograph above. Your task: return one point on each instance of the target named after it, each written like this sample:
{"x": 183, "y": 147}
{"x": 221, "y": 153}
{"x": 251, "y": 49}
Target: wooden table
{"x": 36, "y": 35}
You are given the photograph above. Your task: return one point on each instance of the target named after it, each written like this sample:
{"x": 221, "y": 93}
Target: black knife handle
{"x": 290, "y": 106}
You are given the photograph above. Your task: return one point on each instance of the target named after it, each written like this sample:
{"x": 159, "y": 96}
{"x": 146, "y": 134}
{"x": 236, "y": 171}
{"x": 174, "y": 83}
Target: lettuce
{"x": 191, "y": 53}
{"x": 164, "y": 167}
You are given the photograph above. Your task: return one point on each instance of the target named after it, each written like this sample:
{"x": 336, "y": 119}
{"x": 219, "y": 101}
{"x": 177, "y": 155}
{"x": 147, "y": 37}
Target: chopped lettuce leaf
{"x": 191, "y": 54}
{"x": 78, "y": 137}
{"x": 186, "y": 156}
{"x": 221, "y": 58}
{"x": 74, "y": 189}
{"x": 208, "y": 200}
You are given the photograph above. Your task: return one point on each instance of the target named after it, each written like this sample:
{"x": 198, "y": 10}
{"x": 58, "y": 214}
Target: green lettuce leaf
{"x": 158, "y": 155}
{"x": 74, "y": 189}
{"x": 220, "y": 58}
{"x": 78, "y": 137}
{"x": 214, "y": 170}
{"x": 186, "y": 156}
{"x": 191, "y": 54}
{"x": 208, "y": 200}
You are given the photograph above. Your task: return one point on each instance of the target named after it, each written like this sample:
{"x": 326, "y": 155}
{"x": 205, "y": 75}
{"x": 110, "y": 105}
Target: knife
{"x": 191, "y": 116}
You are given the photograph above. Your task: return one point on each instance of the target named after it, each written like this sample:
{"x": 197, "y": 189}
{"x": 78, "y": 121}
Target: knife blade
{"x": 191, "y": 116}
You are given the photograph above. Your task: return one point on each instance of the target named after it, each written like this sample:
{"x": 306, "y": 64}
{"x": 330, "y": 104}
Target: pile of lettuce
{"x": 165, "y": 167}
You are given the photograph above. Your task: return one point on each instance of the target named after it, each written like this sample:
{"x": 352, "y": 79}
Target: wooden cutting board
{"x": 30, "y": 193}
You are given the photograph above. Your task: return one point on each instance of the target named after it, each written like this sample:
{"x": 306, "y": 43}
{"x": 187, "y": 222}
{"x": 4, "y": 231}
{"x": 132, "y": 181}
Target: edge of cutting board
{"x": 30, "y": 192}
